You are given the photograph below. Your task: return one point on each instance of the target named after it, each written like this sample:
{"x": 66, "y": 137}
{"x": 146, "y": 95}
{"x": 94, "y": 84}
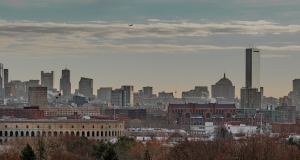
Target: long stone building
{"x": 93, "y": 129}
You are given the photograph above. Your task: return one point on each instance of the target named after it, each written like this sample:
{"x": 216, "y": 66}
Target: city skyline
{"x": 161, "y": 49}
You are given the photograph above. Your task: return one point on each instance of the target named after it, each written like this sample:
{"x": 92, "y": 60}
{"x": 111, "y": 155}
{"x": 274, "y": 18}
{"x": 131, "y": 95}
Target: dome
{"x": 224, "y": 81}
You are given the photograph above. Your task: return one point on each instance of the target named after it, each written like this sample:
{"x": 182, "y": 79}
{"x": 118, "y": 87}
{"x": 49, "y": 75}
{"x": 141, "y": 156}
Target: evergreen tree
{"x": 110, "y": 154}
{"x": 27, "y": 153}
{"x": 100, "y": 149}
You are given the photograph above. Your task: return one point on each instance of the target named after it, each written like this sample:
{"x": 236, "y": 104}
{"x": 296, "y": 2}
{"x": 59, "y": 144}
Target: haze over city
{"x": 170, "y": 46}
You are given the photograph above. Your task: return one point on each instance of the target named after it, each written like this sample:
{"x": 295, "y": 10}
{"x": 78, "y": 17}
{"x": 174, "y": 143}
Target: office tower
{"x": 86, "y": 87}
{"x": 165, "y": 95}
{"x": 250, "y": 98}
{"x": 147, "y": 91}
{"x": 118, "y": 97}
{"x": 20, "y": 88}
{"x": 223, "y": 88}
{"x": 5, "y": 76}
{"x": 252, "y": 68}
{"x": 47, "y": 79}
{"x": 10, "y": 90}
{"x": 37, "y": 96}
{"x": 104, "y": 93}
{"x": 65, "y": 83}
{"x": 129, "y": 95}
{"x": 296, "y": 90}
{"x": 1, "y": 81}
{"x": 252, "y": 93}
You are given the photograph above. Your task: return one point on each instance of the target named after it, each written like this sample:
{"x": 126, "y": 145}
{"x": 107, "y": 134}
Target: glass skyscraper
{"x": 253, "y": 68}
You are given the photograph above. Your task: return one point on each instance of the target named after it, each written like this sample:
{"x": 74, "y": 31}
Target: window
{"x": 60, "y": 126}
{"x": 5, "y": 126}
{"x": 16, "y": 126}
{"x": 72, "y": 126}
{"x": 93, "y": 126}
{"x": 38, "y": 126}
{"x": 82, "y": 126}
{"x": 26, "y": 126}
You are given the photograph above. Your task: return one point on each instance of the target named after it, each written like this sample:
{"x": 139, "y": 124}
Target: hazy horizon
{"x": 171, "y": 43}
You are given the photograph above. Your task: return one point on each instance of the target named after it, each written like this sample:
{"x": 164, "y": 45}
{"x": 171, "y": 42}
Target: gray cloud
{"x": 121, "y": 30}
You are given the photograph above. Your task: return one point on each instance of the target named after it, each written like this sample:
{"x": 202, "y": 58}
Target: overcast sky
{"x": 171, "y": 43}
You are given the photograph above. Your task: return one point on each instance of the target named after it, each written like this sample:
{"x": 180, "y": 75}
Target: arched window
{"x": 207, "y": 115}
{"x": 22, "y": 133}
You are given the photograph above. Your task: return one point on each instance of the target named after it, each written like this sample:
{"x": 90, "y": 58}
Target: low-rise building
{"x": 92, "y": 129}
{"x": 68, "y": 111}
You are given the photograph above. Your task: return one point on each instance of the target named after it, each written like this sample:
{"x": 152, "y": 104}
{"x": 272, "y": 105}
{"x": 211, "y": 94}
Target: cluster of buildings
{"x": 114, "y": 108}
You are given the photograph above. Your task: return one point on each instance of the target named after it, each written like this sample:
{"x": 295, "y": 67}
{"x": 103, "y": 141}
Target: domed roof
{"x": 224, "y": 81}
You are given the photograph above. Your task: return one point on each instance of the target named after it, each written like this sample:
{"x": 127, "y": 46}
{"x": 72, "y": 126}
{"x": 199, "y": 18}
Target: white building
{"x": 242, "y": 128}
{"x": 208, "y": 128}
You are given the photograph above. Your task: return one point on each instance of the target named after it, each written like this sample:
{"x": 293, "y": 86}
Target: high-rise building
{"x": 86, "y": 87}
{"x": 252, "y": 93}
{"x": 47, "y": 79}
{"x": 223, "y": 88}
{"x": 37, "y": 96}
{"x": 1, "y": 81}
{"x": 119, "y": 97}
{"x": 20, "y": 88}
{"x": 250, "y": 98}
{"x": 104, "y": 93}
{"x": 10, "y": 90}
{"x": 252, "y": 68}
{"x": 296, "y": 89}
{"x": 5, "y": 76}
{"x": 129, "y": 95}
{"x": 65, "y": 83}
{"x": 147, "y": 91}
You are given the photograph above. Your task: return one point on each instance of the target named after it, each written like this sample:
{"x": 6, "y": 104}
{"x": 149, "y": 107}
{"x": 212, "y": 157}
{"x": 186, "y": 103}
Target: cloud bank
{"x": 35, "y": 38}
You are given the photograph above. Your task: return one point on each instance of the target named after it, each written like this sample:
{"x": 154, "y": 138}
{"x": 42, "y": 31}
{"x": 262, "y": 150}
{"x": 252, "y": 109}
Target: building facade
{"x": 86, "y": 87}
{"x": 68, "y": 111}
{"x": 250, "y": 98}
{"x": 5, "y": 76}
{"x": 104, "y": 93}
{"x": 223, "y": 88}
{"x": 129, "y": 95}
{"x": 148, "y": 91}
{"x": 47, "y": 79}
{"x": 287, "y": 113}
{"x": 65, "y": 83}
{"x": 92, "y": 129}
{"x": 10, "y": 90}
{"x": 118, "y": 97}
{"x": 37, "y": 96}
{"x": 253, "y": 68}
{"x": 1, "y": 81}
{"x": 198, "y": 114}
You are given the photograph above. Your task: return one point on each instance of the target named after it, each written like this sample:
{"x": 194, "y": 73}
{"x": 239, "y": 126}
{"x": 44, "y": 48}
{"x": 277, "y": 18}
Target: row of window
{"x": 71, "y": 126}
{"x": 55, "y": 133}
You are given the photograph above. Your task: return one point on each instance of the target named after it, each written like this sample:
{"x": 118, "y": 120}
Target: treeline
{"x": 80, "y": 148}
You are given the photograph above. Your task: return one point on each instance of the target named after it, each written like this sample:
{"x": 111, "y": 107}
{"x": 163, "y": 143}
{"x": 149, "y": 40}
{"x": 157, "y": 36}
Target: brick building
{"x": 198, "y": 114}
{"x": 26, "y": 112}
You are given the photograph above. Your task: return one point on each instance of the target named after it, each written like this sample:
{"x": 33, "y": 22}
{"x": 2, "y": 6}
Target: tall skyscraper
{"x": 253, "y": 68}
{"x": 129, "y": 95}
{"x": 86, "y": 87}
{"x": 65, "y": 83}
{"x": 1, "y": 81}
{"x": 223, "y": 88}
{"x": 37, "y": 96}
{"x": 47, "y": 79}
{"x": 5, "y": 76}
{"x": 252, "y": 94}
{"x": 104, "y": 93}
